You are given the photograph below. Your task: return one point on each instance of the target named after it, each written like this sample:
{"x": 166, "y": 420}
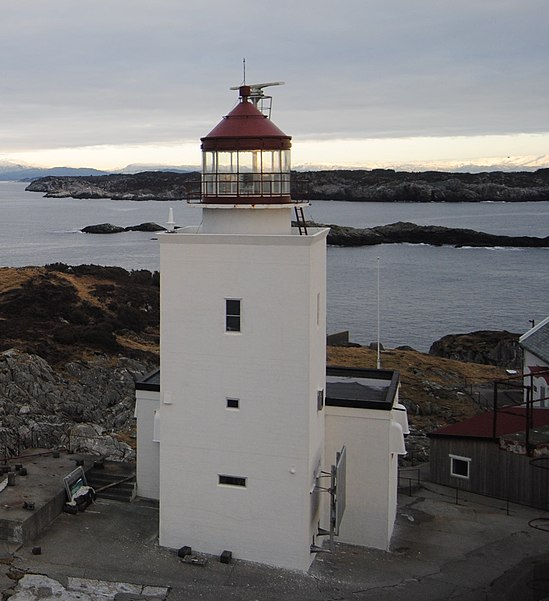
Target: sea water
{"x": 424, "y": 291}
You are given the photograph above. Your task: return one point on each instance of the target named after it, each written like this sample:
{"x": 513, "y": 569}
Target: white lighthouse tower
{"x": 243, "y": 304}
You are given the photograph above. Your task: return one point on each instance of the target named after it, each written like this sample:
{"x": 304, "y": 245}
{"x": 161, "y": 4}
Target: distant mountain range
{"x": 10, "y": 171}
{"x": 481, "y": 165}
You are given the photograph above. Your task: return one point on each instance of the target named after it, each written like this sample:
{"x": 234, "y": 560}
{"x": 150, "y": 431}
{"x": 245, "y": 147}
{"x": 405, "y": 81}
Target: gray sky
{"x": 428, "y": 80}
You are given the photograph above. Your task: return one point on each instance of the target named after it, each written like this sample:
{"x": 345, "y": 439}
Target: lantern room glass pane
{"x": 208, "y": 162}
{"x": 226, "y": 162}
{"x": 249, "y": 161}
{"x": 285, "y": 183}
{"x": 285, "y": 164}
{"x": 271, "y": 161}
{"x": 246, "y": 173}
{"x": 209, "y": 184}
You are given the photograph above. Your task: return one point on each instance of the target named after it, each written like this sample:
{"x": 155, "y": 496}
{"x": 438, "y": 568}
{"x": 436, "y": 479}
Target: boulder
{"x": 499, "y": 348}
{"x": 145, "y": 227}
{"x": 102, "y": 228}
{"x": 90, "y": 439}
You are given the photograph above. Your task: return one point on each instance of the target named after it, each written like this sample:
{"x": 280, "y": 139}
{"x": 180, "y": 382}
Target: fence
{"x": 408, "y": 482}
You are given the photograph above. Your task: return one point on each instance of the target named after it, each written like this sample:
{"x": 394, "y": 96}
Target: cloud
{"x": 136, "y": 72}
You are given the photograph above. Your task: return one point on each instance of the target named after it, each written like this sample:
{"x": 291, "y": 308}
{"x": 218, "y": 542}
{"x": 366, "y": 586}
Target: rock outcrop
{"x": 405, "y": 232}
{"x": 149, "y": 185}
{"x": 394, "y": 233}
{"x": 102, "y": 228}
{"x": 73, "y": 341}
{"x": 387, "y": 185}
{"x": 109, "y": 228}
{"x": 76, "y": 407}
{"x": 380, "y": 185}
{"x": 485, "y": 346}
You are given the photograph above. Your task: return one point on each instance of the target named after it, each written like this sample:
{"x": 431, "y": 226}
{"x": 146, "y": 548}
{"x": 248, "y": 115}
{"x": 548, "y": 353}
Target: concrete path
{"x": 440, "y": 551}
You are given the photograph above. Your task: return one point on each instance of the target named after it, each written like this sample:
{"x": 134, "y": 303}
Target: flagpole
{"x": 378, "y": 322}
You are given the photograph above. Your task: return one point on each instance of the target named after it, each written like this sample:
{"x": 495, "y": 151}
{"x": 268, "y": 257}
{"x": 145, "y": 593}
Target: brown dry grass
{"x": 132, "y": 342}
{"x": 11, "y": 278}
{"x": 128, "y": 437}
{"x": 408, "y": 361}
{"x": 63, "y": 316}
{"x": 439, "y": 389}
{"x": 84, "y": 286}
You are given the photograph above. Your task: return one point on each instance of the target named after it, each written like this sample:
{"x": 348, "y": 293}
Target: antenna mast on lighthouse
{"x": 257, "y": 97}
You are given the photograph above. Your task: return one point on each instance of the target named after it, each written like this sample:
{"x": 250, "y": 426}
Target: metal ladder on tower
{"x": 300, "y": 219}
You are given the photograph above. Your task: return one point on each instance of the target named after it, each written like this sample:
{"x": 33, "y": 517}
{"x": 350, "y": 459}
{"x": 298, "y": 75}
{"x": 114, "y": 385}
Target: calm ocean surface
{"x": 426, "y": 292}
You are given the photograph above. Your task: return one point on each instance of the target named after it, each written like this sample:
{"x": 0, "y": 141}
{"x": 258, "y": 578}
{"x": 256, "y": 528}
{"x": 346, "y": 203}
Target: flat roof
{"x": 150, "y": 382}
{"x": 345, "y": 387}
{"x": 361, "y": 388}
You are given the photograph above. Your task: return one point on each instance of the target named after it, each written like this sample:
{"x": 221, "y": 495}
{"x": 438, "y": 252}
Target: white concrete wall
{"x": 274, "y": 366}
{"x": 273, "y": 220}
{"x": 541, "y": 386}
{"x": 371, "y": 473}
{"x": 148, "y": 451}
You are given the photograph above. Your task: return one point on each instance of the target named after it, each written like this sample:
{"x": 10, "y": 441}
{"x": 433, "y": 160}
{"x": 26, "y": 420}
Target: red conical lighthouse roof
{"x": 246, "y": 128}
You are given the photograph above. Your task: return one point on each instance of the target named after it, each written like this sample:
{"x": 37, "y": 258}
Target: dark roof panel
{"x": 508, "y": 421}
{"x": 536, "y": 340}
{"x": 361, "y": 388}
{"x": 149, "y": 382}
{"x": 245, "y": 127}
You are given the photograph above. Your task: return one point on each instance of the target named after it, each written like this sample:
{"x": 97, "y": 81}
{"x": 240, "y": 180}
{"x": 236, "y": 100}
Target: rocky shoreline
{"x": 394, "y": 233}
{"x": 376, "y": 185}
{"x": 411, "y": 233}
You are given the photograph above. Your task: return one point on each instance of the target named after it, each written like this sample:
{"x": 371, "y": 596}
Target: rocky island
{"x": 411, "y": 233}
{"x": 109, "y": 228}
{"x": 394, "y": 233}
{"x": 376, "y": 185}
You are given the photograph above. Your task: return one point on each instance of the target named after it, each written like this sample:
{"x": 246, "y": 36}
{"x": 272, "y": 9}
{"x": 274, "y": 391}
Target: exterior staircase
{"x": 112, "y": 480}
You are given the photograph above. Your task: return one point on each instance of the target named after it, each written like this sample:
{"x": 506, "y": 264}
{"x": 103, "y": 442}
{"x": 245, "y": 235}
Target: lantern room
{"x": 246, "y": 158}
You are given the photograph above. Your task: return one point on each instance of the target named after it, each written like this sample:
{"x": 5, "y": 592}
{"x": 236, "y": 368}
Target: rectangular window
{"x": 232, "y": 480}
{"x": 233, "y": 403}
{"x": 459, "y": 466}
{"x": 232, "y": 315}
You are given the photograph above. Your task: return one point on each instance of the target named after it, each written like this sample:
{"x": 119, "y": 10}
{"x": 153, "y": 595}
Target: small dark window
{"x": 233, "y": 403}
{"x": 232, "y": 315}
{"x": 232, "y": 481}
{"x": 459, "y": 466}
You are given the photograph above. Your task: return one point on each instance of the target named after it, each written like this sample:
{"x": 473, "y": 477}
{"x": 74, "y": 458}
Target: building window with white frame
{"x": 460, "y": 467}
{"x": 233, "y": 314}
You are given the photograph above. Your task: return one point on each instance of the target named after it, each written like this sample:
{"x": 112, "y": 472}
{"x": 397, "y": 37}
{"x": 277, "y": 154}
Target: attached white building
{"x": 234, "y": 434}
{"x": 535, "y": 346}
